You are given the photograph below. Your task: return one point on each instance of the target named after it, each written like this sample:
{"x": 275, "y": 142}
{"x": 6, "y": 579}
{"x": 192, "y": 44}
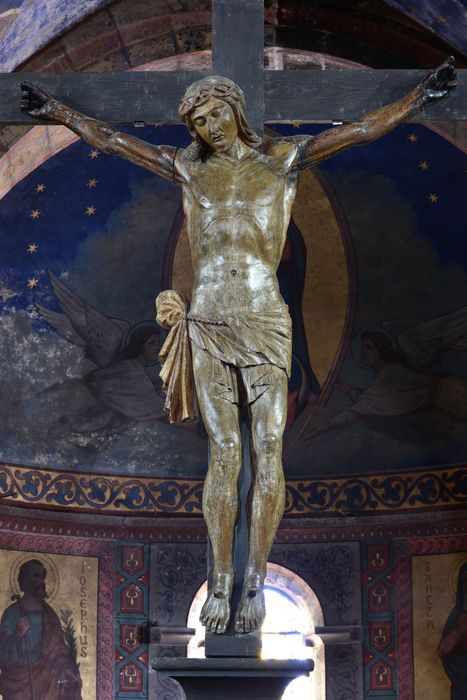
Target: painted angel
{"x": 404, "y": 382}
{"x": 120, "y": 388}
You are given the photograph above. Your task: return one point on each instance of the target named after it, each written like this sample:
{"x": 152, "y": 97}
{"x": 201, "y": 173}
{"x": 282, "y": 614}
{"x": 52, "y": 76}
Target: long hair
{"x": 138, "y": 339}
{"x": 24, "y": 570}
{"x": 386, "y": 347}
{"x": 223, "y": 89}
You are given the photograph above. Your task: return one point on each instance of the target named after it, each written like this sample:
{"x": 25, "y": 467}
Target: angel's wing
{"x": 424, "y": 343}
{"x": 81, "y": 324}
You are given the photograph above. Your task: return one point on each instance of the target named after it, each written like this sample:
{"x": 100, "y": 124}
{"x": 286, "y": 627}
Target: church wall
{"x": 373, "y": 513}
{"x": 376, "y": 246}
{"x": 110, "y": 500}
{"x": 386, "y": 586}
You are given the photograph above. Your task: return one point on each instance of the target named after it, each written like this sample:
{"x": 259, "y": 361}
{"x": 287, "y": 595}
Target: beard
{"x": 40, "y": 592}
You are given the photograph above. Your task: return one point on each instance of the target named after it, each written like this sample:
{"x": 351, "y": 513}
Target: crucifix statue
{"x": 238, "y": 191}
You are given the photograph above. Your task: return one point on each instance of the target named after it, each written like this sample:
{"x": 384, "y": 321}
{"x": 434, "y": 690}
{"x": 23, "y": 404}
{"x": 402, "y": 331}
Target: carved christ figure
{"x": 238, "y": 193}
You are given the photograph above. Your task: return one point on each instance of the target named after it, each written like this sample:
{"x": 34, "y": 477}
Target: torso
{"x": 237, "y": 212}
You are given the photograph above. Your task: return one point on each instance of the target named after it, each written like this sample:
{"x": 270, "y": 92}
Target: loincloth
{"x": 215, "y": 380}
{"x": 247, "y": 340}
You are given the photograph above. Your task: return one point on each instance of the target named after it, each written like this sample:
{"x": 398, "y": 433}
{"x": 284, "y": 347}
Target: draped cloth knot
{"x": 175, "y": 358}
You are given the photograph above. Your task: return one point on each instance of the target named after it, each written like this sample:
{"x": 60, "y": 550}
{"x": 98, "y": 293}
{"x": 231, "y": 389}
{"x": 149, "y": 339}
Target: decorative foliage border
{"x": 405, "y": 491}
{"x": 100, "y": 493}
{"x": 82, "y": 547}
{"x": 412, "y": 490}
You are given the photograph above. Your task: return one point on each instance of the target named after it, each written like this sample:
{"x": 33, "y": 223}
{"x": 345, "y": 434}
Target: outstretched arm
{"x": 375, "y": 124}
{"x": 157, "y": 159}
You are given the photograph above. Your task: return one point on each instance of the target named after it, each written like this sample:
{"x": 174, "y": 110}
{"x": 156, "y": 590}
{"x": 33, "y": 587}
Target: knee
{"x": 269, "y": 445}
{"x": 225, "y": 463}
{"x": 226, "y": 454}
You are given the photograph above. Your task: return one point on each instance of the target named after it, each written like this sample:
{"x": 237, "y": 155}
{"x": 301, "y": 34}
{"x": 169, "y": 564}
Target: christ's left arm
{"x": 372, "y": 125}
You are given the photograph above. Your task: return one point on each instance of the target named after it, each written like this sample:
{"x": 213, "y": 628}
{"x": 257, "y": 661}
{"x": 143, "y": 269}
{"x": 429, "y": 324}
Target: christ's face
{"x": 215, "y": 123}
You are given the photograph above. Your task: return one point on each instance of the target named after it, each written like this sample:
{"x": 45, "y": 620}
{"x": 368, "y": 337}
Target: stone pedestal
{"x": 233, "y": 678}
{"x": 170, "y": 641}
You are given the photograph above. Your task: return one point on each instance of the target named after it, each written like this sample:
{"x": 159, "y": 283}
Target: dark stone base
{"x": 233, "y": 678}
{"x": 170, "y": 641}
{"x": 232, "y": 644}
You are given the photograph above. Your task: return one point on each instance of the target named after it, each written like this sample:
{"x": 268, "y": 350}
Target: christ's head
{"x": 213, "y": 109}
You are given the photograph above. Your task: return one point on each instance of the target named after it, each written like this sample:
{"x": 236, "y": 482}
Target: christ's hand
{"x": 33, "y": 99}
{"x": 439, "y": 82}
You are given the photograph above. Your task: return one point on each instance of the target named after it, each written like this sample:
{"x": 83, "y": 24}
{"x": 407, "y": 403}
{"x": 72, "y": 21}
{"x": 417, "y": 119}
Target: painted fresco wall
{"x": 60, "y": 643}
{"x": 374, "y": 272}
{"x": 391, "y": 597}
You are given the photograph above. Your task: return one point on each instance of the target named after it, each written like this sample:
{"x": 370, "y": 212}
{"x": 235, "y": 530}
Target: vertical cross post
{"x": 238, "y": 50}
{"x": 237, "y": 53}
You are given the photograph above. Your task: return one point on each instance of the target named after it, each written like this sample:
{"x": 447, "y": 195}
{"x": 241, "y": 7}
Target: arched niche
{"x": 293, "y": 612}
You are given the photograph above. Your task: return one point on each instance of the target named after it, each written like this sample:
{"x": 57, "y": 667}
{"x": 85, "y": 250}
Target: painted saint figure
{"x": 35, "y": 660}
{"x": 238, "y": 193}
{"x": 92, "y": 410}
{"x": 405, "y": 399}
{"x": 452, "y": 648}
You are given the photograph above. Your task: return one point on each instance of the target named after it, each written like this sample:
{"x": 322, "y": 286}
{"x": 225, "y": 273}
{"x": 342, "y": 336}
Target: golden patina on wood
{"x": 237, "y": 194}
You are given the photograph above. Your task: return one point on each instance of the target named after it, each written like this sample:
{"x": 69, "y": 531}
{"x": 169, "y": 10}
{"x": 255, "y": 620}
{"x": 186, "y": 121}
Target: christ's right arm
{"x": 157, "y": 159}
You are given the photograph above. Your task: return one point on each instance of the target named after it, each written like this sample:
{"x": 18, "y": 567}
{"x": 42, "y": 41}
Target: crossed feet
{"x": 215, "y": 614}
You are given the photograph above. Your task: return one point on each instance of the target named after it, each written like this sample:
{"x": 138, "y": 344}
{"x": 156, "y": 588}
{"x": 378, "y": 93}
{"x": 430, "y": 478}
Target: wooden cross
{"x": 237, "y": 52}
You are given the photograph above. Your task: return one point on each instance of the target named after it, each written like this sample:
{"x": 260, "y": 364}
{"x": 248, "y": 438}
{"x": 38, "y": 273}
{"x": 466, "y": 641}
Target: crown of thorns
{"x": 197, "y": 95}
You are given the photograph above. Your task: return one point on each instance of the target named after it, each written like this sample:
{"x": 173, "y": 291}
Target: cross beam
{"x": 302, "y": 95}
{"x": 274, "y": 96}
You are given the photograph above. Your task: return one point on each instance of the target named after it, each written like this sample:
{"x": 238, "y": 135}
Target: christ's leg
{"x": 267, "y": 497}
{"x": 220, "y": 493}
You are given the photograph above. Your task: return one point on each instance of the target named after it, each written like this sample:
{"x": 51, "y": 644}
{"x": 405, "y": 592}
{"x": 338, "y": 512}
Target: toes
{"x": 219, "y": 627}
